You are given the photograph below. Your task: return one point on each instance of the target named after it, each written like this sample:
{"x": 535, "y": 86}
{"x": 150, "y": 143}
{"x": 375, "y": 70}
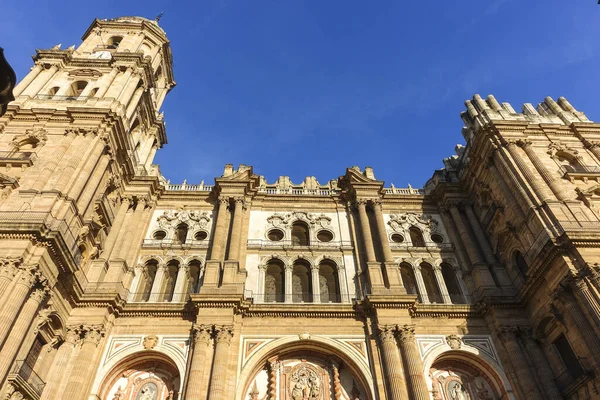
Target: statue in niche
{"x": 456, "y": 391}
{"x": 148, "y": 392}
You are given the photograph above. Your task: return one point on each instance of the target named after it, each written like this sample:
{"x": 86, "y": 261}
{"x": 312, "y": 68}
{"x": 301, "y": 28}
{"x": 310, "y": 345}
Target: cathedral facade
{"x": 117, "y": 285}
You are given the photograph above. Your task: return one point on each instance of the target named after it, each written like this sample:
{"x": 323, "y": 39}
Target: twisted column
{"x": 83, "y": 367}
{"x": 507, "y": 336}
{"x": 19, "y": 331}
{"x": 274, "y": 365}
{"x": 236, "y": 229}
{"x": 27, "y": 277}
{"x": 541, "y": 366}
{"x": 337, "y": 385}
{"x": 61, "y": 360}
{"x": 196, "y": 389}
{"x": 551, "y": 181}
{"x": 218, "y": 377}
{"x": 393, "y": 363}
{"x": 408, "y": 344}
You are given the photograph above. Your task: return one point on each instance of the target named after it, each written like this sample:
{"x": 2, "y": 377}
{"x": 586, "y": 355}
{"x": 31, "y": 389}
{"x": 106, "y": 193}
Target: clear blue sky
{"x": 308, "y": 87}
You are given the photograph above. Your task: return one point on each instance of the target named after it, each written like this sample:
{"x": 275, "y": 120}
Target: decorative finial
{"x": 159, "y": 16}
{"x": 71, "y": 48}
{"x": 57, "y": 47}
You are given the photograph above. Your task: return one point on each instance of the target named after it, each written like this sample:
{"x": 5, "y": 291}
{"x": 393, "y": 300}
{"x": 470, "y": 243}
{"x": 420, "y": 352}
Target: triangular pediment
{"x": 354, "y": 175}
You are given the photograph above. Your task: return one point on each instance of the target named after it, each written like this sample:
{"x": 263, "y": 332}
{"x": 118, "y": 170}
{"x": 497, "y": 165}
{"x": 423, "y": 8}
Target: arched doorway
{"x": 458, "y": 375}
{"x": 304, "y": 370}
{"x": 142, "y": 376}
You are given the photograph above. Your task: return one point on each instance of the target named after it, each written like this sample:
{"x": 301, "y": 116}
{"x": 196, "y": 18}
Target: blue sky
{"x": 309, "y": 87}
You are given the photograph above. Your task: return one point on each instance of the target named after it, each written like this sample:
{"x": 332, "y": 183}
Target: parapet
{"x": 480, "y": 112}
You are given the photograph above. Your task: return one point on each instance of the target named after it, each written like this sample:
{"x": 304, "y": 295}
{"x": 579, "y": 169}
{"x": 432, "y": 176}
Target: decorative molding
{"x": 403, "y": 222}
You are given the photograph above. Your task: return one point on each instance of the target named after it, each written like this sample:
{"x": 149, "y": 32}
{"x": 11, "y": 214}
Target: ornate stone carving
{"x": 282, "y": 220}
{"x": 81, "y": 131}
{"x": 91, "y": 333}
{"x": 454, "y": 342}
{"x": 202, "y": 333}
{"x": 9, "y": 266}
{"x": 194, "y": 219}
{"x": 150, "y": 342}
{"x": 403, "y": 222}
{"x": 224, "y": 333}
{"x": 305, "y": 383}
{"x": 304, "y": 336}
{"x": 558, "y": 149}
{"x": 35, "y": 137}
{"x": 406, "y": 333}
{"x": 387, "y": 333}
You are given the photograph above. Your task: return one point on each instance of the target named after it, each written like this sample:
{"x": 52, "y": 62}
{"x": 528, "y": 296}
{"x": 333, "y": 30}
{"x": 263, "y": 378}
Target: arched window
{"x": 416, "y": 237}
{"x": 147, "y": 280}
{"x": 114, "y": 42}
{"x": 76, "y": 89}
{"x": 301, "y": 282}
{"x": 275, "y": 282}
{"x": 452, "y": 284}
{"x": 329, "y": 283}
{"x": 300, "y": 236}
{"x": 52, "y": 91}
{"x": 180, "y": 234}
{"x": 170, "y": 279}
{"x": 408, "y": 278}
{"x": 195, "y": 276}
{"x": 521, "y": 264}
{"x": 431, "y": 286}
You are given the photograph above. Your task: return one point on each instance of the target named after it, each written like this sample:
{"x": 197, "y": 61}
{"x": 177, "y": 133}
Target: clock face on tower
{"x": 101, "y": 55}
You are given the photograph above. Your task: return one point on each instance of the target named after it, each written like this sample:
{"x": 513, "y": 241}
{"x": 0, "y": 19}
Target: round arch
{"x": 475, "y": 358}
{"x": 154, "y": 360}
{"x": 318, "y": 345}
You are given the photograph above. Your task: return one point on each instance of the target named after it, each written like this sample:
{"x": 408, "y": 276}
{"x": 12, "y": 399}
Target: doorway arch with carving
{"x": 314, "y": 369}
{"x": 146, "y": 375}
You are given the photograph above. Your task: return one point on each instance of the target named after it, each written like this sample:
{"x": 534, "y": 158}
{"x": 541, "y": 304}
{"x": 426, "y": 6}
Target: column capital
{"x": 30, "y": 275}
{"x": 240, "y": 202}
{"x": 387, "y": 333}
{"x": 377, "y": 203}
{"x": 507, "y": 333}
{"x": 223, "y": 200}
{"x": 224, "y": 333}
{"x": 406, "y": 333}
{"x": 9, "y": 266}
{"x": 524, "y": 143}
{"x": 91, "y": 333}
{"x": 72, "y": 334}
{"x": 591, "y": 144}
{"x": 202, "y": 333}
{"x": 360, "y": 202}
{"x": 40, "y": 294}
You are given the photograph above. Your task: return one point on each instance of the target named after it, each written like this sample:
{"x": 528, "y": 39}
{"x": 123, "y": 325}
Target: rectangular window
{"x": 568, "y": 357}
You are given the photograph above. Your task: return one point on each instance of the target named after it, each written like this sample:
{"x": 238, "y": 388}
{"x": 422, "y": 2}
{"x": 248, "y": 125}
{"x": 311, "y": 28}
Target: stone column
{"x": 512, "y": 181}
{"x": 439, "y": 277}
{"x": 157, "y": 285}
{"x": 236, "y": 229}
{"x": 507, "y": 336}
{"x": 472, "y": 251}
{"x": 107, "y": 82}
{"x": 366, "y": 230}
{"x": 337, "y": 385}
{"x": 587, "y": 301}
{"x": 111, "y": 240}
{"x": 196, "y": 385}
{"x": 86, "y": 196}
{"x": 420, "y": 284}
{"x": 180, "y": 291}
{"x": 480, "y": 235}
{"x": 132, "y": 230}
{"x": 50, "y": 165}
{"x": 382, "y": 232}
{"x": 33, "y": 73}
{"x": 575, "y": 317}
{"x": 84, "y": 366}
{"x": 219, "y": 241}
{"x": 393, "y": 363}
{"x": 75, "y": 190}
{"x": 118, "y": 83}
{"x": 130, "y": 87}
{"x": 551, "y": 181}
{"x": 57, "y": 372}
{"x": 541, "y": 366}
{"x": 218, "y": 378}
{"x": 27, "y": 277}
{"x": 316, "y": 285}
{"x": 41, "y": 80}
{"x": 289, "y": 298}
{"x": 8, "y": 271}
{"x": 131, "y": 107}
{"x": 343, "y": 284}
{"x": 274, "y": 365}
{"x": 412, "y": 358}
{"x": 539, "y": 188}
{"x": 261, "y": 296}
{"x": 19, "y": 330}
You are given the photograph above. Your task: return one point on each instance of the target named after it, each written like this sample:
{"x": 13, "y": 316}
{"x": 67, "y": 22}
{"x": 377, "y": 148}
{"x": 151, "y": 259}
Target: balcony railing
{"x": 408, "y": 190}
{"x": 266, "y": 244}
{"x": 299, "y": 191}
{"x": 175, "y": 243}
{"x": 61, "y": 97}
{"x": 428, "y": 245}
{"x": 23, "y": 376}
{"x": 190, "y": 188}
{"x": 581, "y": 169}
